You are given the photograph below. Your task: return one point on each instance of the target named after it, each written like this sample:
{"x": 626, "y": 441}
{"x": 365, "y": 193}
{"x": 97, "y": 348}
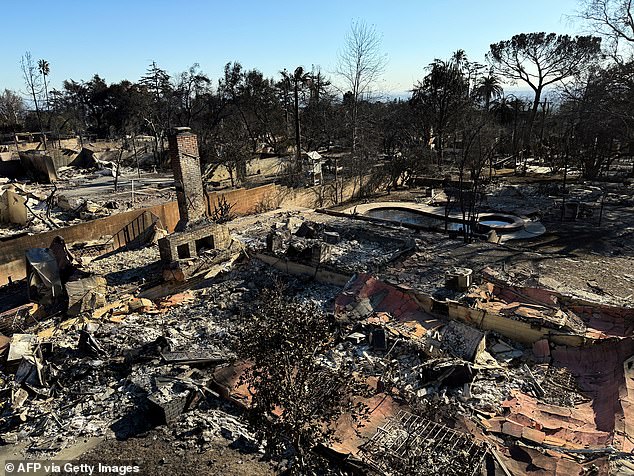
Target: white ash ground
{"x": 95, "y": 393}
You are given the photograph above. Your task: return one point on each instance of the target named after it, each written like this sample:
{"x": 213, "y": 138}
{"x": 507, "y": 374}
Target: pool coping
{"x": 530, "y": 228}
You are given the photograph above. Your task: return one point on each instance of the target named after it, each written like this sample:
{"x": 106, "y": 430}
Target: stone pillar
{"x": 183, "y": 151}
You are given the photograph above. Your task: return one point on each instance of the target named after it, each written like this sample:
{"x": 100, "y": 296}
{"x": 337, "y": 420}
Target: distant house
{"x": 314, "y": 161}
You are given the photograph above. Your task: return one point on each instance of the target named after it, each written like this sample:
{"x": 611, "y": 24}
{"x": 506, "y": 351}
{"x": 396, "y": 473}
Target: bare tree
{"x": 190, "y": 91}
{"x": 232, "y": 149}
{"x": 11, "y": 112}
{"x": 117, "y": 164}
{"x": 480, "y": 141}
{"x": 33, "y": 85}
{"x": 157, "y": 116}
{"x": 613, "y": 20}
{"x": 360, "y": 65}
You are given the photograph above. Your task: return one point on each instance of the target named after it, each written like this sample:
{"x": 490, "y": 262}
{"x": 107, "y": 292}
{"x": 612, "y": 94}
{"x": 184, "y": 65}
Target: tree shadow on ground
{"x": 137, "y": 422}
{"x": 150, "y": 272}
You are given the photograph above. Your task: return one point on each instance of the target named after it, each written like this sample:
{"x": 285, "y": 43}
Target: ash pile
{"x": 121, "y": 369}
{"x": 335, "y": 245}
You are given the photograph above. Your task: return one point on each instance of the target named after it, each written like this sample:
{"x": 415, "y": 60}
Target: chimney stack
{"x": 183, "y": 151}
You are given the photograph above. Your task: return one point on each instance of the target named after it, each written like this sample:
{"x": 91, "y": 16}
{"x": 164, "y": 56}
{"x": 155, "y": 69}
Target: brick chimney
{"x": 183, "y": 151}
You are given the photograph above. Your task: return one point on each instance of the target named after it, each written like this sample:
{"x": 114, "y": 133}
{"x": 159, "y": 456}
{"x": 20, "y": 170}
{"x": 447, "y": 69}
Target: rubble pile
{"x": 79, "y": 193}
{"x": 94, "y": 376}
{"x": 99, "y": 370}
{"x": 497, "y": 371}
{"x": 332, "y": 245}
{"x": 522, "y": 200}
{"x": 498, "y": 376}
{"x": 132, "y": 267}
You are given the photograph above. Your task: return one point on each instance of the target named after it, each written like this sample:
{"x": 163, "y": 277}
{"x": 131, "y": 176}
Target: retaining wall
{"x": 12, "y": 265}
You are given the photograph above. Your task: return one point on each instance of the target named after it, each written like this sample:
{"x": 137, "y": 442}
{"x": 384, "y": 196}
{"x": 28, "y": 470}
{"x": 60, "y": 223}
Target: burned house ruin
{"x": 330, "y": 282}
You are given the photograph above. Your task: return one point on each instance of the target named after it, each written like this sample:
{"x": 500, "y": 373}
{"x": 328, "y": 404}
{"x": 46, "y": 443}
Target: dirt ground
{"x": 154, "y": 454}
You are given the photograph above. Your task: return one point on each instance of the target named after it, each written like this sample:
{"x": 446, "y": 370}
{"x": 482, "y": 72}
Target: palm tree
{"x": 489, "y": 87}
{"x": 502, "y": 109}
{"x": 460, "y": 63}
{"x": 45, "y": 70}
{"x": 459, "y": 60}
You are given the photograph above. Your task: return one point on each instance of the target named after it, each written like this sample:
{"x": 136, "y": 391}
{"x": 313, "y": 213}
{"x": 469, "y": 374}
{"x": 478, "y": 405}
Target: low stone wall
{"x": 320, "y": 274}
{"x": 72, "y": 143}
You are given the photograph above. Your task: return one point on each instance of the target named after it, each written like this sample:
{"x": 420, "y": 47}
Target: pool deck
{"x": 531, "y": 229}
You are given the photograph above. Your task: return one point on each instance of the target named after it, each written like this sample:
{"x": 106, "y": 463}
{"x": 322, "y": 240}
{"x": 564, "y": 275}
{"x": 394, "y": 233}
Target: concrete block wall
{"x": 246, "y": 201}
{"x": 12, "y": 264}
{"x": 271, "y": 196}
{"x": 321, "y": 274}
{"x": 214, "y": 236}
{"x": 319, "y": 196}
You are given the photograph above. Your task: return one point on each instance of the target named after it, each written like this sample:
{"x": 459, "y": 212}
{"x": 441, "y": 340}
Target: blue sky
{"x": 118, "y": 39}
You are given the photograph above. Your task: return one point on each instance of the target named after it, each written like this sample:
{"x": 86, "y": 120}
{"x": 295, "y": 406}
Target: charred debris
{"x": 412, "y": 354}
